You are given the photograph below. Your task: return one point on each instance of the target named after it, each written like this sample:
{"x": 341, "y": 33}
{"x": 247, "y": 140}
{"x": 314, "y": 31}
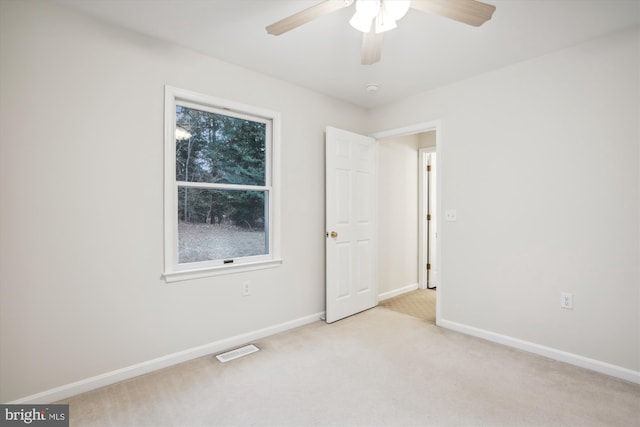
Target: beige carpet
{"x": 420, "y": 303}
{"x": 378, "y": 368}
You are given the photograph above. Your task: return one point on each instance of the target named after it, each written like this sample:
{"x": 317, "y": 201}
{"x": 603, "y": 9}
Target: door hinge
{"x": 428, "y": 217}
{"x": 428, "y": 168}
{"x": 428, "y": 266}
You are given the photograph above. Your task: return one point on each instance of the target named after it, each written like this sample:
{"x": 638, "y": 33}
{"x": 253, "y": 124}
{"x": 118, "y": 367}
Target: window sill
{"x": 177, "y": 276}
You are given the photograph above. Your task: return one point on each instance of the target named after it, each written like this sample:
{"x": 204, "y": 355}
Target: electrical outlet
{"x": 566, "y": 300}
{"x": 246, "y": 289}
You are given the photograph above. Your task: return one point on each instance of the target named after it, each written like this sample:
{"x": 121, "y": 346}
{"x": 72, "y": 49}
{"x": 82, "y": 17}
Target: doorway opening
{"x": 420, "y": 252}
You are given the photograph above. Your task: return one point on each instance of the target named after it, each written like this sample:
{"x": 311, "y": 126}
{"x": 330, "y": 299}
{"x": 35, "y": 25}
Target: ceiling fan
{"x": 374, "y": 17}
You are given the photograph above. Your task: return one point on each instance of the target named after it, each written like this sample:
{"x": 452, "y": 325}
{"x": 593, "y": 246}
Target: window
{"x": 221, "y": 194}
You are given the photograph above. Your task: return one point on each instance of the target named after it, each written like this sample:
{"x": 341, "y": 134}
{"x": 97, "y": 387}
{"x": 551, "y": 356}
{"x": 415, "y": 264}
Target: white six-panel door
{"x": 351, "y": 279}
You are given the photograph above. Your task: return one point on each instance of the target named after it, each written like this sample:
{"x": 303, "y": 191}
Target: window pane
{"x": 219, "y": 149}
{"x": 220, "y": 224}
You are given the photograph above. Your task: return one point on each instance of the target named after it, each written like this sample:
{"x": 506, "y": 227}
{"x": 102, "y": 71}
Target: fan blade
{"x": 466, "y": 11}
{"x": 371, "y": 48}
{"x": 307, "y": 15}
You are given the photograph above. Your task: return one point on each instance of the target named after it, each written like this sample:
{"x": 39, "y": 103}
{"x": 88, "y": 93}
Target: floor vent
{"x": 238, "y": 352}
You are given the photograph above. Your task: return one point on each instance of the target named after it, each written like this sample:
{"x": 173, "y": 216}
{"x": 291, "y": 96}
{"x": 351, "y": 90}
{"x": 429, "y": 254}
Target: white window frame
{"x": 173, "y": 270}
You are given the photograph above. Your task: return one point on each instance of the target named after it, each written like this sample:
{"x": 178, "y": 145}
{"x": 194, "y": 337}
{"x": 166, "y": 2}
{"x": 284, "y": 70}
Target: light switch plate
{"x": 450, "y": 215}
{"x": 566, "y": 300}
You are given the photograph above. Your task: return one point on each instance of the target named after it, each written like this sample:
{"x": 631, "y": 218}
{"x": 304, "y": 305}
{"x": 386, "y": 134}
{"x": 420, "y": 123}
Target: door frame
{"x": 423, "y": 230}
{"x": 436, "y": 126}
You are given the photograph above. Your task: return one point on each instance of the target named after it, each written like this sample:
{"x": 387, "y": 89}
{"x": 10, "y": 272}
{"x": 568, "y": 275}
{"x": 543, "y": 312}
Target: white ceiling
{"x": 424, "y": 52}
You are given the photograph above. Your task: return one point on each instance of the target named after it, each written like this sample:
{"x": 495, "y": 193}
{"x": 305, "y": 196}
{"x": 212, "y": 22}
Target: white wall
{"x": 397, "y": 213}
{"x": 541, "y": 162}
{"x": 81, "y": 201}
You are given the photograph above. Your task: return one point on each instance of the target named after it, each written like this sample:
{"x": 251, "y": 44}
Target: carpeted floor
{"x": 420, "y": 303}
{"x": 377, "y": 368}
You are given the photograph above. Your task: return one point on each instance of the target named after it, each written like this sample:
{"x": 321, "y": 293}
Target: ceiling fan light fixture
{"x": 361, "y": 22}
{"x": 368, "y": 8}
{"x": 366, "y": 11}
{"x": 396, "y": 8}
{"x": 384, "y": 22}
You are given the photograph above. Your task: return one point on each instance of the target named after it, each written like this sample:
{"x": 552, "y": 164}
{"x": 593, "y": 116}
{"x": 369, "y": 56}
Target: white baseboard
{"x": 552, "y": 353}
{"x": 394, "y": 293}
{"x": 92, "y": 383}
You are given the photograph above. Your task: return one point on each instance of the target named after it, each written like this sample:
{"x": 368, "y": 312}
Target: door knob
{"x": 334, "y": 234}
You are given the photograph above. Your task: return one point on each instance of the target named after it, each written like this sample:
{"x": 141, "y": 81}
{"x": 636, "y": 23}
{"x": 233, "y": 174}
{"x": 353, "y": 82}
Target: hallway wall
{"x": 397, "y": 213}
